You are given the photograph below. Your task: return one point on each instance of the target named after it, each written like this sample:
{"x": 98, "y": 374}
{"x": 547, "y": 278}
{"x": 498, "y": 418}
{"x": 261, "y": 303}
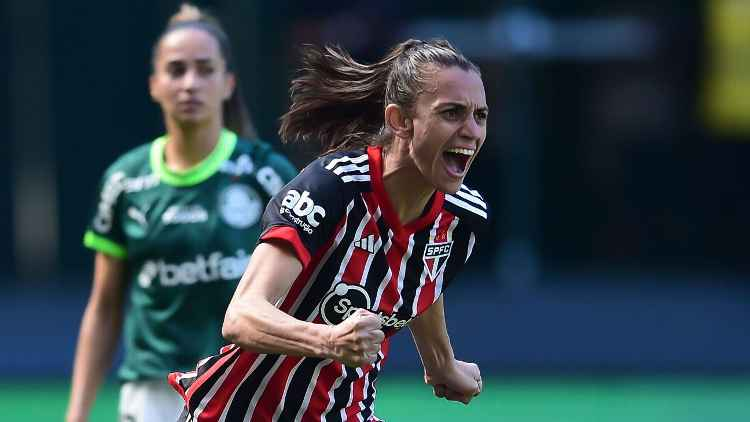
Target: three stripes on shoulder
{"x": 348, "y": 169}
{"x": 469, "y": 200}
{"x": 352, "y": 169}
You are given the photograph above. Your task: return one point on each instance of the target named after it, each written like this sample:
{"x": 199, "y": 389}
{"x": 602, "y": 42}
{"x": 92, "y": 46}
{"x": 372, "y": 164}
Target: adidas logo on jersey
{"x": 301, "y": 205}
{"x": 366, "y": 243}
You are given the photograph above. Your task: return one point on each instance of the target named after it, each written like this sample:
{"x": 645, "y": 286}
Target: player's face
{"x": 450, "y": 125}
{"x": 190, "y": 80}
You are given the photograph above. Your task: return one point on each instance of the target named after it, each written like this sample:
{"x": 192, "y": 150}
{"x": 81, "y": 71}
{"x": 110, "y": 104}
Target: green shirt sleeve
{"x": 102, "y": 244}
{"x": 283, "y": 167}
{"x": 276, "y": 172}
{"x": 104, "y": 233}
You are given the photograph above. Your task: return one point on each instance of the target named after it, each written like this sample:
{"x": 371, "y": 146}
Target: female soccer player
{"x": 174, "y": 226}
{"x": 361, "y": 244}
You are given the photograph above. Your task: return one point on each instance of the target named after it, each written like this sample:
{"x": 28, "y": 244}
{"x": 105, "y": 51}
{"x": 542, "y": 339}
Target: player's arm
{"x": 98, "y": 336}
{"x": 450, "y": 378}
{"x": 253, "y": 321}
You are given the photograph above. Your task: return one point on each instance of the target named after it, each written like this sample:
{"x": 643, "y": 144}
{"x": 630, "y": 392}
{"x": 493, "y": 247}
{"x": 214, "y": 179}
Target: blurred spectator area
{"x": 602, "y": 150}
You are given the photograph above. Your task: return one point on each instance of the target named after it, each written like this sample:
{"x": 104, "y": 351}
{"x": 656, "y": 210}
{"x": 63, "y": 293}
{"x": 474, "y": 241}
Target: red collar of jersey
{"x": 375, "y": 158}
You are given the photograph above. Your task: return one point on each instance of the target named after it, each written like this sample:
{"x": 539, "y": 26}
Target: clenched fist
{"x": 356, "y": 340}
{"x": 460, "y": 381}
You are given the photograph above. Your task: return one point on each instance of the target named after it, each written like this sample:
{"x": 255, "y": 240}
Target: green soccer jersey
{"x": 186, "y": 238}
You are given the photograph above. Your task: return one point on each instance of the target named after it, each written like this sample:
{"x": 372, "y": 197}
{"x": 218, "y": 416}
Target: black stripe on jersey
{"x": 475, "y": 206}
{"x": 414, "y": 269}
{"x": 458, "y": 255}
{"x": 201, "y": 392}
{"x": 370, "y": 397}
{"x": 324, "y": 281}
{"x": 379, "y": 265}
{"x": 351, "y": 167}
{"x": 240, "y": 404}
{"x": 297, "y": 388}
{"x": 471, "y": 191}
{"x": 341, "y": 395}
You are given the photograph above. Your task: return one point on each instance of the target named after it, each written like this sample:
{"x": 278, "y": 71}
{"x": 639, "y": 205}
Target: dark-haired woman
{"x": 175, "y": 224}
{"x": 361, "y": 244}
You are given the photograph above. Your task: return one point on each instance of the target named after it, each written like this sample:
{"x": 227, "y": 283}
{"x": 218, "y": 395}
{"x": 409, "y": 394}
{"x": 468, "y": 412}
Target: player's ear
{"x": 230, "y": 82}
{"x": 398, "y": 122}
{"x": 152, "y": 88}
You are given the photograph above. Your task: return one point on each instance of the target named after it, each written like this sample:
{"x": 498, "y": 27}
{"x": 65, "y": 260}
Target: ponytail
{"x": 339, "y": 102}
{"x": 336, "y": 101}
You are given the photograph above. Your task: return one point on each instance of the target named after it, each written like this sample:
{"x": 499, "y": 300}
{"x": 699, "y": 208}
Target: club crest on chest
{"x": 435, "y": 257}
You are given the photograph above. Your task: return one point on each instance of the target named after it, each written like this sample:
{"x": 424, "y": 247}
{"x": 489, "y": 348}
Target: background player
{"x": 174, "y": 226}
{"x": 362, "y": 243}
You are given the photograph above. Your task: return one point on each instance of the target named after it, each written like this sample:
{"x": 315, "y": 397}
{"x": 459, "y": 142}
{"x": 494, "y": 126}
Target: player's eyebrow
{"x": 459, "y": 105}
{"x": 183, "y": 60}
{"x": 450, "y": 104}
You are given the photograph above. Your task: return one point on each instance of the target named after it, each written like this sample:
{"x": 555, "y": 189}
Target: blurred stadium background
{"x": 614, "y": 285}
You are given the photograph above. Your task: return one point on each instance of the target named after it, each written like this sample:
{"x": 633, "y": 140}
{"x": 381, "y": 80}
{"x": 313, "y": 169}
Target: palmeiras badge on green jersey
{"x": 240, "y": 206}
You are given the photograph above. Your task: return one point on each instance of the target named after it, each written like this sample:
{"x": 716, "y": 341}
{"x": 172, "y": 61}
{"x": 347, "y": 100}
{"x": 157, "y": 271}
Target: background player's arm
{"x": 98, "y": 336}
{"x": 450, "y": 378}
{"x": 254, "y": 323}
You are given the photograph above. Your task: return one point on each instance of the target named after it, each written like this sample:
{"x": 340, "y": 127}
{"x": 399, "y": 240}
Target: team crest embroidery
{"x": 435, "y": 257}
{"x": 240, "y": 206}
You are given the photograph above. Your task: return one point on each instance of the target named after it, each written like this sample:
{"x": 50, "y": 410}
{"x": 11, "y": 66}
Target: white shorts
{"x": 149, "y": 401}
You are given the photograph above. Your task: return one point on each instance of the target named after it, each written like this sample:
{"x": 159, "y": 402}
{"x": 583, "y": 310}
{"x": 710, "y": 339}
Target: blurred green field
{"x": 514, "y": 399}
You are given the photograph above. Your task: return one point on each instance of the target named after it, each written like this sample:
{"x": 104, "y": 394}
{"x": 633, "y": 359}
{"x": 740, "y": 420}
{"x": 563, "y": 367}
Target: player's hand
{"x": 356, "y": 340}
{"x": 460, "y": 381}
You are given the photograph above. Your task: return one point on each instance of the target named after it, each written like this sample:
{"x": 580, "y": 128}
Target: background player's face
{"x": 450, "y": 125}
{"x": 190, "y": 80}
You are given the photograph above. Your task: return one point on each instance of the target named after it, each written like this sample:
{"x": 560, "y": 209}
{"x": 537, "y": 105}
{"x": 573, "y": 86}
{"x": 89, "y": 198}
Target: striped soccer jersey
{"x": 356, "y": 254}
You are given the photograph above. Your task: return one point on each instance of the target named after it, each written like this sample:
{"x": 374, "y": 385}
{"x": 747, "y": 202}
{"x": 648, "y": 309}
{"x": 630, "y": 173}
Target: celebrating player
{"x": 175, "y": 224}
{"x": 361, "y": 244}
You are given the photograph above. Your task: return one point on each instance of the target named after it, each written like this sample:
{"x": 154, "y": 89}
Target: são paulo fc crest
{"x": 240, "y": 206}
{"x": 435, "y": 257}
{"x": 342, "y": 301}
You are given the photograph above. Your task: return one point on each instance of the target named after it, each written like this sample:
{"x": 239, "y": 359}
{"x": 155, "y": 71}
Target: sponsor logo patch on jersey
{"x": 215, "y": 267}
{"x": 240, "y": 206}
{"x": 344, "y": 299}
{"x": 270, "y": 180}
{"x": 435, "y": 257}
{"x": 111, "y": 190}
{"x": 115, "y": 185}
{"x": 301, "y": 210}
{"x": 184, "y": 214}
{"x": 242, "y": 166}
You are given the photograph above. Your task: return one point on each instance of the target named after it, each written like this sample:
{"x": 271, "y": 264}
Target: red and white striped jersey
{"x": 356, "y": 254}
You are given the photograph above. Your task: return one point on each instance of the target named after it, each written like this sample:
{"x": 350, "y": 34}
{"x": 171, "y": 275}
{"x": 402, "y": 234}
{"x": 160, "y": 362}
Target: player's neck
{"x": 189, "y": 145}
{"x": 401, "y": 180}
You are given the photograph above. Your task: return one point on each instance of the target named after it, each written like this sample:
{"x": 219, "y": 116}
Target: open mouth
{"x": 457, "y": 159}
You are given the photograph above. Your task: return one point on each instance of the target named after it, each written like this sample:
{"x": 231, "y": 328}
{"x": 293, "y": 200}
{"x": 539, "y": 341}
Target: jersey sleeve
{"x": 104, "y": 233}
{"x": 480, "y": 230}
{"x": 304, "y": 214}
{"x": 276, "y": 172}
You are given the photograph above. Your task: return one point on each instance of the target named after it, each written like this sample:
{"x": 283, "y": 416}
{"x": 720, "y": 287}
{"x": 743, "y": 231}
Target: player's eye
{"x": 452, "y": 114}
{"x": 481, "y": 115}
{"x": 205, "y": 70}
{"x": 176, "y": 69}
